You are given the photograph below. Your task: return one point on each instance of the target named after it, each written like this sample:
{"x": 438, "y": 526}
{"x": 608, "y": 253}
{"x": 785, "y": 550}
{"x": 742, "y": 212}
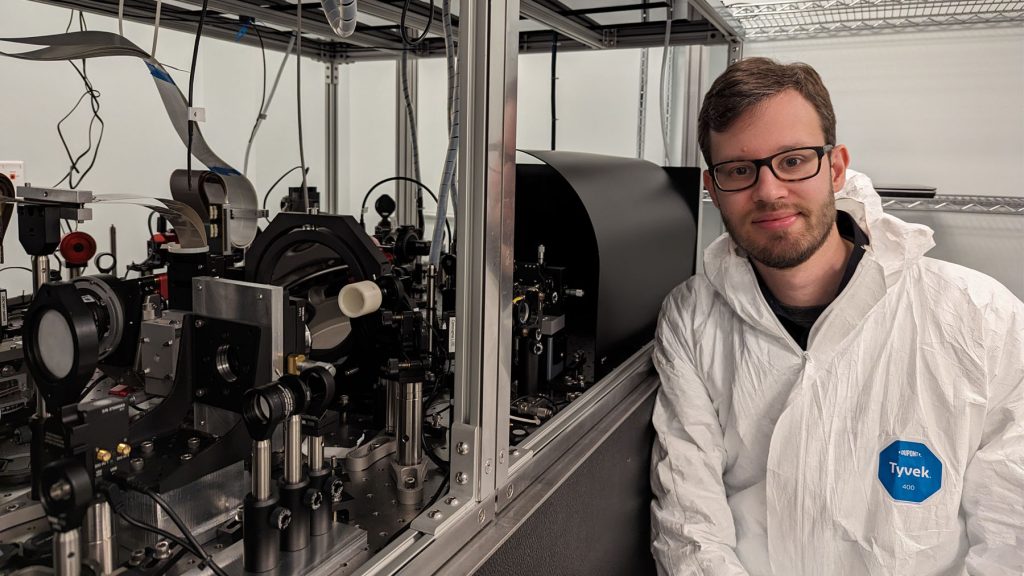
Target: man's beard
{"x": 786, "y": 249}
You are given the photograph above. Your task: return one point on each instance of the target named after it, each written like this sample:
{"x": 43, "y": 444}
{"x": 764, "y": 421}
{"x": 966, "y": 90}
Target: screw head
{"x": 462, "y": 448}
{"x": 435, "y": 515}
{"x": 281, "y": 518}
{"x": 162, "y": 550}
{"x": 482, "y": 517}
{"x": 314, "y": 499}
{"x": 510, "y": 490}
{"x": 451, "y": 501}
{"x": 409, "y": 482}
{"x": 461, "y": 478}
{"x": 337, "y": 490}
{"x": 138, "y": 555}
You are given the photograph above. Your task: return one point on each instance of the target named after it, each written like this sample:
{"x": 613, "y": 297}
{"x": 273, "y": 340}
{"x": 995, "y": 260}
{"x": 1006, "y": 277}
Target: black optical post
{"x": 263, "y": 519}
{"x": 294, "y": 484}
{"x": 67, "y": 492}
{"x": 322, "y": 481}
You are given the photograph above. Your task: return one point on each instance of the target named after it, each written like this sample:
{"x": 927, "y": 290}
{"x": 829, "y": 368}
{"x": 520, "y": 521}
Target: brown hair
{"x": 750, "y": 82}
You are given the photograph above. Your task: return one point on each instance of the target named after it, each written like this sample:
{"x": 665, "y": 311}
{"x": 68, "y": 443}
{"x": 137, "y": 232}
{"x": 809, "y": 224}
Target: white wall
{"x": 939, "y": 108}
{"x": 140, "y": 148}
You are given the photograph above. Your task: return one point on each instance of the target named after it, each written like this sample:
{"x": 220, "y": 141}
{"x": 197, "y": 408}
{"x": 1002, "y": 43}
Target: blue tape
{"x": 224, "y": 171}
{"x": 159, "y": 74}
{"x": 242, "y": 32}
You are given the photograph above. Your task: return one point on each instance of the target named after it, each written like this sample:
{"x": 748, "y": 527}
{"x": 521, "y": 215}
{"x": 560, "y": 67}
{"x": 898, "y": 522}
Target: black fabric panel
{"x": 598, "y": 522}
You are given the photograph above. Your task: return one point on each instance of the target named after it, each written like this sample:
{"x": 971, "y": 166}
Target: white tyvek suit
{"x": 767, "y": 458}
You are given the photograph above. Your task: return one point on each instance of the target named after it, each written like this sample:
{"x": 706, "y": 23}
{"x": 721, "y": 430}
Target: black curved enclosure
{"x": 340, "y": 235}
{"x": 626, "y": 232}
{"x": 312, "y": 256}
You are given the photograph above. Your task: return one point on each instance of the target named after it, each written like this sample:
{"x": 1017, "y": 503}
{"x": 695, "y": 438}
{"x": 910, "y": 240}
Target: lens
{"x": 796, "y": 164}
{"x": 735, "y": 175}
{"x": 56, "y": 344}
{"x": 227, "y": 362}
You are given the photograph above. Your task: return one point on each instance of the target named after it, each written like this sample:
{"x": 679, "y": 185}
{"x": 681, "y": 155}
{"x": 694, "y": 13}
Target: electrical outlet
{"x": 15, "y": 170}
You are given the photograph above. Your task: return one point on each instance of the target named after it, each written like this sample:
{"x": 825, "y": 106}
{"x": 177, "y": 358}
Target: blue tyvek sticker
{"x": 909, "y": 471}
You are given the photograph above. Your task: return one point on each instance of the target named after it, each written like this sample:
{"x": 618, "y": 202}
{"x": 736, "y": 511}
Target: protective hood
{"x": 895, "y": 246}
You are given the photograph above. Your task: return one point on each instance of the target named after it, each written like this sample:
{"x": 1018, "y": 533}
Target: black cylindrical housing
{"x": 261, "y": 538}
{"x": 296, "y": 535}
{"x": 320, "y": 519}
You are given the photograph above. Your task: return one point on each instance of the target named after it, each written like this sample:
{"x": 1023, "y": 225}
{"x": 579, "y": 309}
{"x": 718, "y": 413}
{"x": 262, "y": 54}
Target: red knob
{"x": 77, "y": 248}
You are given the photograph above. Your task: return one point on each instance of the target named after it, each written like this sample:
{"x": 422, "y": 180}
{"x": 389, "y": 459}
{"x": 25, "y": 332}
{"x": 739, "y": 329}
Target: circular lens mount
{"x": 62, "y": 343}
{"x": 107, "y": 310}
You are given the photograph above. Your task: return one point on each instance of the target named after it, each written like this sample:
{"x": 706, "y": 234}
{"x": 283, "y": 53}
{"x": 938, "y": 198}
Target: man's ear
{"x": 840, "y": 157}
{"x": 709, "y": 185}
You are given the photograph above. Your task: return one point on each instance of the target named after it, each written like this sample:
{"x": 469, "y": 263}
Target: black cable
{"x": 191, "y": 85}
{"x": 94, "y": 103}
{"x": 159, "y": 532}
{"x": 362, "y": 207}
{"x": 274, "y": 185}
{"x": 29, "y": 270}
{"x": 429, "y": 450}
{"x": 92, "y": 386}
{"x": 149, "y": 224}
{"x": 554, "y": 78}
{"x": 263, "y": 98}
{"x": 440, "y": 490}
{"x": 298, "y": 101}
{"x": 426, "y": 29}
{"x": 115, "y": 497}
{"x": 197, "y": 547}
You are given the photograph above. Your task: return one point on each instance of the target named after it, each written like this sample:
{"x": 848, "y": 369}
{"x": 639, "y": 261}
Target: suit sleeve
{"x": 691, "y": 523}
{"x": 993, "y": 493}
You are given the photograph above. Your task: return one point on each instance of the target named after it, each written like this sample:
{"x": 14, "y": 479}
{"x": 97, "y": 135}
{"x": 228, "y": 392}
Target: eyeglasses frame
{"x": 767, "y": 161}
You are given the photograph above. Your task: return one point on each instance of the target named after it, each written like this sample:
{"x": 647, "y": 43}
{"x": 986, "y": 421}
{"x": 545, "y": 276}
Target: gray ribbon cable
{"x": 95, "y": 44}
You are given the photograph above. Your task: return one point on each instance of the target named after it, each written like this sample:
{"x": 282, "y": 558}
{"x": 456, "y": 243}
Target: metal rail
{"x": 974, "y": 204}
{"x": 817, "y": 18}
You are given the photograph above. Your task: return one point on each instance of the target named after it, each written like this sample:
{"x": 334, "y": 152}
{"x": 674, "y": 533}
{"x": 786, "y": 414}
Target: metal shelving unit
{"x": 958, "y": 204}
{"x": 574, "y": 24}
{"x": 759, "y": 21}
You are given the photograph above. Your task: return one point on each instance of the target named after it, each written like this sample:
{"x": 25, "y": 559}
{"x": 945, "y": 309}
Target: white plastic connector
{"x": 360, "y": 298}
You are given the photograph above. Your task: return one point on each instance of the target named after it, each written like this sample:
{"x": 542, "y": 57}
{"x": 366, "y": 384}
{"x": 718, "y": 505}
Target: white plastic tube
{"x": 359, "y": 299}
{"x": 341, "y": 15}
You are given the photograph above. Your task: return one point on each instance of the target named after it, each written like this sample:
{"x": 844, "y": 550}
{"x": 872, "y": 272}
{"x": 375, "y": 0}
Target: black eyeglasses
{"x": 789, "y": 166}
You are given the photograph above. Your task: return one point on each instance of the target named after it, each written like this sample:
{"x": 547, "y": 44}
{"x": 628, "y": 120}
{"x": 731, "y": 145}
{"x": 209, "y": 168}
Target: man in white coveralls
{"x": 832, "y": 402}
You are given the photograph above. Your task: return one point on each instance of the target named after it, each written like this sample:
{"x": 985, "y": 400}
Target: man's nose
{"x": 768, "y": 188}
